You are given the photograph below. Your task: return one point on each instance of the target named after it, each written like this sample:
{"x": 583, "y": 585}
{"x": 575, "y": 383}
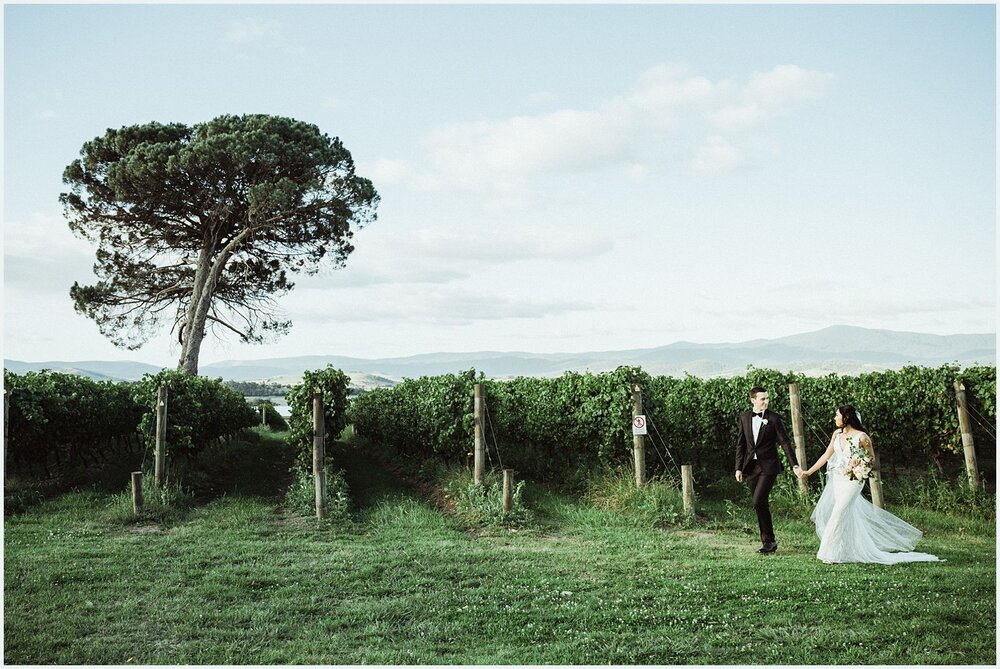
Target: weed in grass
{"x": 658, "y": 503}
{"x": 406, "y": 517}
{"x": 301, "y": 495}
{"x": 938, "y": 494}
{"x": 166, "y": 504}
{"x": 17, "y": 498}
{"x": 480, "y": 504}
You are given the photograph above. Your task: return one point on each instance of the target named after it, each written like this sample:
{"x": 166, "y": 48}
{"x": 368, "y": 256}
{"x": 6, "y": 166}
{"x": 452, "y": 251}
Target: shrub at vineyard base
{"x": 658, "y": 503}
{"x": 301, "y": 496}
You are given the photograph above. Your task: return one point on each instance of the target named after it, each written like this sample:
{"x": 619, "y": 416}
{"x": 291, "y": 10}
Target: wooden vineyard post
{"x": 161, "y": 436}
{"x": 638, "y": 440}
{"x": 319, "y": 454}
{"x": 965, "y": 425}
{"x": 875, "y": 482}
{"x": 687, "y": 486}
{"x": 6, "y": 431}
{"x": 477, "y": 406}
{"x": 799, "y": 432}
{"x": 508, "y": 490}
{"x": 137, "y": 493}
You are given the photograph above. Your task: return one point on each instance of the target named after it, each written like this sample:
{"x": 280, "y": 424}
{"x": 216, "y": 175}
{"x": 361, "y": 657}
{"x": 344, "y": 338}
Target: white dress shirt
{"x": 758, "y": 422}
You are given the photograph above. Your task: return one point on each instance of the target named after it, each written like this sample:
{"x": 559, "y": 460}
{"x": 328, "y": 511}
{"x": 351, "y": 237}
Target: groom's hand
{"x": 739, "y": 477}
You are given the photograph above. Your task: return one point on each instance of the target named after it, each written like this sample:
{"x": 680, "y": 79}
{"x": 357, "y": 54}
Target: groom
{"x": 757, "y": 460}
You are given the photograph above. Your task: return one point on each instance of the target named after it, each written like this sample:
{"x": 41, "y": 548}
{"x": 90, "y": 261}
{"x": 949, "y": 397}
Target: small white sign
{"x": 639, "y": 425}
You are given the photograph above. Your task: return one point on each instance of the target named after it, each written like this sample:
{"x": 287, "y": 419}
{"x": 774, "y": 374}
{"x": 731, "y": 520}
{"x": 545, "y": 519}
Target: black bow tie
{"x": 759, "y": 415}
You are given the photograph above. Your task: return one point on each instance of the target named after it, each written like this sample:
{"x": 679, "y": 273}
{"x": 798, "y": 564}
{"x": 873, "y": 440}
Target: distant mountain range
{"x": 840, "y": 348}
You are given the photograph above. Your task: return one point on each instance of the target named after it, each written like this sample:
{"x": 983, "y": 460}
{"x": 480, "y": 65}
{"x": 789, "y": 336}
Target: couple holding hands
{"x": 850, "y": 528}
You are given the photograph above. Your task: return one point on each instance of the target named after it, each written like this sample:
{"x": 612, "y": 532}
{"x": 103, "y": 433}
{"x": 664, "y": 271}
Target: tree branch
{"x": 222, "y": 322}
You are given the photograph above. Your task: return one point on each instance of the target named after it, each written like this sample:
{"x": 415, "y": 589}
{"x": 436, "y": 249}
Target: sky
{"x": 557, "y": 178}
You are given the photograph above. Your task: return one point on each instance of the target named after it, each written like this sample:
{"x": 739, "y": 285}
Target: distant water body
{"x": 280, "y": 404}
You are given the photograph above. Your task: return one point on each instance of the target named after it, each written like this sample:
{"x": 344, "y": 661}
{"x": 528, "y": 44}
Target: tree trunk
{"x": 193, "y": 332}
{"x": 206, "y": 277}
{"x": 195, "y": 335}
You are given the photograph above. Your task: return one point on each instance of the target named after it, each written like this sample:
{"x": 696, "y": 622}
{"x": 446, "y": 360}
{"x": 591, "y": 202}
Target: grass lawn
{"x": 239, "y": 580}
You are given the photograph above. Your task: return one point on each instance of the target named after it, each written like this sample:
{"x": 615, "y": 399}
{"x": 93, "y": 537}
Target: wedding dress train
{"x": 852, "y": 529}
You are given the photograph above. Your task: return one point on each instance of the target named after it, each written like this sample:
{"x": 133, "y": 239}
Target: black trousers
{"x": 761, "y": 481}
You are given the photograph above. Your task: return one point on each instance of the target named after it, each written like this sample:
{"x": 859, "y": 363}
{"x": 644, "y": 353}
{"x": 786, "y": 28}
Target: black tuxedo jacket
{"x": 766, "y": 448}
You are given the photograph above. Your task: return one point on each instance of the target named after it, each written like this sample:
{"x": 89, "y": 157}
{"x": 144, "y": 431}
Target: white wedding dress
{"x": 852, "y": 529}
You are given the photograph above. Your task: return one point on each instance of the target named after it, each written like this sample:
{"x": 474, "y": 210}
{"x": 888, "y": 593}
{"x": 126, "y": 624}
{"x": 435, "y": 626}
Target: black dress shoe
{"x": 769, "y": 547}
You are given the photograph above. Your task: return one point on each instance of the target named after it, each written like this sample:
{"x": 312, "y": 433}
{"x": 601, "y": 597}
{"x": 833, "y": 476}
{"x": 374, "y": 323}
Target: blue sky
{"x": 553, "y": 178}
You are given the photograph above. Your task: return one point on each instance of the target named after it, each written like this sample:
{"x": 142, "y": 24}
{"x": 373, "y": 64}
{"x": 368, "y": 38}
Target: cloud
{"x": 47, "y": 115}
{"x": 771, "y": 94}
{"x": 827, "y": 306}
{"x": 41, "y": 254}
{"x": 43, "y": 235}
{"x": 567, "y": 139}
{"x": 417, "y": 304}
{"x": 637, "y": 171}
{"x": 663, "y": 91}
{"x": 503, "y": 157}
{"x": 252, "y": 30}
{"x": 497, "y": 246}
{"x": 392, "y": 172}
{"x": 542, "y": 98}
{"x": 716, "y": 157}
{"x": 434, "y": 256}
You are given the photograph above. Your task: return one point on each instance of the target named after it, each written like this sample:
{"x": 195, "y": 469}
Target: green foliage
{"x": 562, "y": 428}
{"x": 426, "y": 416}
{"x": 301, "y": 496}
{"x": 332, "y": 383}
{"x": 17, "y": 498}
{"x": 199, "y": 411}
{"x": 52, "y": 412}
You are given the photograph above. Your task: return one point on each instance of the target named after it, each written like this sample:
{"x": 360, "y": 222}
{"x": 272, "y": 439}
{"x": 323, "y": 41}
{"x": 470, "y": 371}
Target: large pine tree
{"x": 202, "y": 225}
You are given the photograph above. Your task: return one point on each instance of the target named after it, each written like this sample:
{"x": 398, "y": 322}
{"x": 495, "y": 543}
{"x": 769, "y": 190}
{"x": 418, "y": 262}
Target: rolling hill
{"x": 841, "y": 349}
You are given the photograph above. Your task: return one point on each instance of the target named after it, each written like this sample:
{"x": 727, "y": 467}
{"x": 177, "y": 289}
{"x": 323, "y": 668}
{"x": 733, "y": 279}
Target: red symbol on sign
{"x": 639, "y": 422}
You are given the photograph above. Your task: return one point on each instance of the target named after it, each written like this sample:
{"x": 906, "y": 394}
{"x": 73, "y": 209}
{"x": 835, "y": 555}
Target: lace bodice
{"x": 839, "y": 453}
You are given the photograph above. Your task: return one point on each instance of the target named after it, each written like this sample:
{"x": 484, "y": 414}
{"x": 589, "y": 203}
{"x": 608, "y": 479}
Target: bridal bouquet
{"x": 858, "y": 466}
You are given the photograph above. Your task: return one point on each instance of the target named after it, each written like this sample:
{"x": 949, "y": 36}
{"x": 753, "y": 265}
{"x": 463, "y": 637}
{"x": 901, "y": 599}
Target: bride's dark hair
{"x": 850, "y": 416}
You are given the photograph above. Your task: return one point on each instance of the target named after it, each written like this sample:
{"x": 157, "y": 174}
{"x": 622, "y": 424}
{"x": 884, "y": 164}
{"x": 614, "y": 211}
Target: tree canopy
{"x": 202, "y": 225}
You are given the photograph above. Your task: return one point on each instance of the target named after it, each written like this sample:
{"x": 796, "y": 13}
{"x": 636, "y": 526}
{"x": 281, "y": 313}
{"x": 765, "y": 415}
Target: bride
{"x": 850, "y": 528}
